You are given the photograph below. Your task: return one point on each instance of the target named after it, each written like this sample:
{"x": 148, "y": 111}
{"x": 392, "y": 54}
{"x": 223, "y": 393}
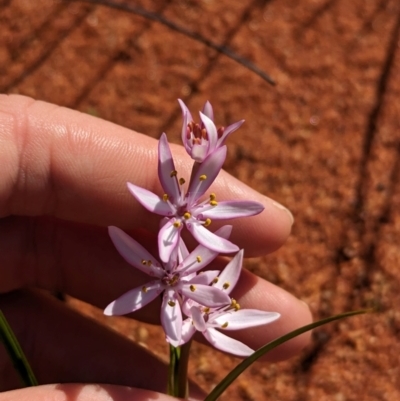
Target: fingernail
{"x": 279, "y": 206}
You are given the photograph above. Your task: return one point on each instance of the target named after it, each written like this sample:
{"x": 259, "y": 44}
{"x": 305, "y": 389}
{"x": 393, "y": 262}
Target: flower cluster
{"x": 192, "y": 299}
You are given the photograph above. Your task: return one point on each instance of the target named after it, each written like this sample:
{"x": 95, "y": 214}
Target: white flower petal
{"x": 171, "y": 318}
{"x": 208, "y": 110}
{"x": 228, "y": 130}
{"x": 205, "y": 277}
{"x": 198, "y": 319}
{"x": 210, "y": 240}
{"x": 227, "y": 344}
{"x": 188, "y": 330}
{"x": 233, "y": 210}
{"x": 134, "y": 299}
{"x": 202, "y": 256}
{"x": 230, "y": 275}
{"x": 168, "y": 238}
{"x": 165, "y": 167}
{"x": 211, "y": 132}
{"x": 134, "y": 253}
{"x": 204, "y": 294}
{"x": 150, "y": 201}
{"x": 209, "y": 169}
{"x": 245, "y": 318}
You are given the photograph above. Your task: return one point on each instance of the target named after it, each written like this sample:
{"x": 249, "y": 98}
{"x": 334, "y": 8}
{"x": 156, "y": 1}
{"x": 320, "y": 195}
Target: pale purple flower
{"x": 185, "y": 209}
{"x": 201, "y": 140}
{"x": 209, "y": 321}
{"x": 176, "y": 280}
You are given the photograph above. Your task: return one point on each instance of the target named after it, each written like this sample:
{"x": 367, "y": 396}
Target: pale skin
{"x": 62, "y": 182}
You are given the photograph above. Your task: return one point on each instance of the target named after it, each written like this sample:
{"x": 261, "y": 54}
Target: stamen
{"x": 206, "y": 309}
{"x": 225, "y": 325}
{"x": 192, "y": 288}
{"x": 144, "y": 262}
{"x": 177, "y": 224}
{"x": 181, "y": 181}
{"x": 207, "y": 222}
{"x": 187, "y": 215}
{"x": 165, "y": 197}
{"x": 173, "y": 173}
{"x": 144, "y": 289}
{"x": 149, "y": 263}
{"x": 220, "y": 131}
{"x": 198, "y": 258}
{"x": 226, "y": 286}
{"x": 202, "y": 177}
{"x": 171, "y": 303}
{"x": 213, "y": 203}
{"x": 215, "y": 281}
{"x": 213, "y": 196}
{"x": 204, "y": 133}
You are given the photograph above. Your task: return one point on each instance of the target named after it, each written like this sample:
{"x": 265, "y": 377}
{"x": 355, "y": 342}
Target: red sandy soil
{"x": 324, "y": 141}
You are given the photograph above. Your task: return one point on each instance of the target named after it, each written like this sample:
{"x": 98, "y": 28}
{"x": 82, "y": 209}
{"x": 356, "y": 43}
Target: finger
{"x": 82, "y": 262}
{"x": 74, "y": 166}
{"x": 83, "y": 392}
{"x": 63, "y": 346}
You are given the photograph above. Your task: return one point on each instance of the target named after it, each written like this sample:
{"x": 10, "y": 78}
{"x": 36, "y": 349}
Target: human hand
{"x": 63, "y": 182}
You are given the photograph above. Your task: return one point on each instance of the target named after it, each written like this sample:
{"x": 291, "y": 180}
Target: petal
{"x": 134, "y": 253}
{"x": 198, "y": 319}
{"x": 202, "y": 256}
{"x": 212, "y": 134}
{"x": 226, "y": 344}
{"x": 183, "y": 252}
{"x": 165, "y": 167}
{"x": 204, "y": 294}
{"x": 210, "y": 240}
{"x": 208, "y": 110}
{"x": 244, "y": 318}
{"x": 134, "y": 299}
{"x": 168, "y": 238}
{"x": 228, "y": 130}
{"x": 171, "y": 318}
{"x": 230, "y": 275}
{"x": 187, "y": 117}
{"x": 187, "y": 330}
{"x": 210, "y": 168}
{"x": 199, "y": 152}
{"x": 232, "y": 210}
{"x": 205, "y": 277}
{"x": 150, "y": 201}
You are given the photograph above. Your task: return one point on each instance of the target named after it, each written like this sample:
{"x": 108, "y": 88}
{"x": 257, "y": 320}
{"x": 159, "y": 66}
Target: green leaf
{"x": 16, "y": 354}
{"x": 230, "y": 377}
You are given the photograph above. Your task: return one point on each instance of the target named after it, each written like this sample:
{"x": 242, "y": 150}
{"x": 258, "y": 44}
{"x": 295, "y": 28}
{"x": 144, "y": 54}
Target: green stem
{"x": 178, "y": 367}
{"x": 16, "y": 354}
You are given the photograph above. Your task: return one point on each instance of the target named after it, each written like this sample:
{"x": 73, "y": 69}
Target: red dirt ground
{"x": 324, "y": 141}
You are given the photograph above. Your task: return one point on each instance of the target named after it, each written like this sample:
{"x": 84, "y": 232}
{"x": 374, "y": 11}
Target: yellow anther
{"x": 202, "y": 177}
{"x": 173, "y": 173}
{"x": 165, "y": 197}
{"x": 237, "y": 307}
{"x": 177, "y": 224}
{"x": 215, "y": 281}
{"x": 207, "y": 222}
{"x": 144, "y": 262}
{"x": 181, "y": 181}
{"x": 144, "y": 289}
{"x": 225, "y": 325}
{"x": 206, "y": 309}
{"x": 171, "y": 303}
{"x": 149, "y": 263}
{"x": 213, "y": 203}
{"x": 198, "y": 258}
{"x": 192, "y": 288}
{"x": 213, "y": 196}
{"x": 187, "y": 215}
{"x": 226, "y": 286}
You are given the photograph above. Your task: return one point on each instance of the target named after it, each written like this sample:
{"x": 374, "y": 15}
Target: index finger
{"x": 75, "y": 167}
